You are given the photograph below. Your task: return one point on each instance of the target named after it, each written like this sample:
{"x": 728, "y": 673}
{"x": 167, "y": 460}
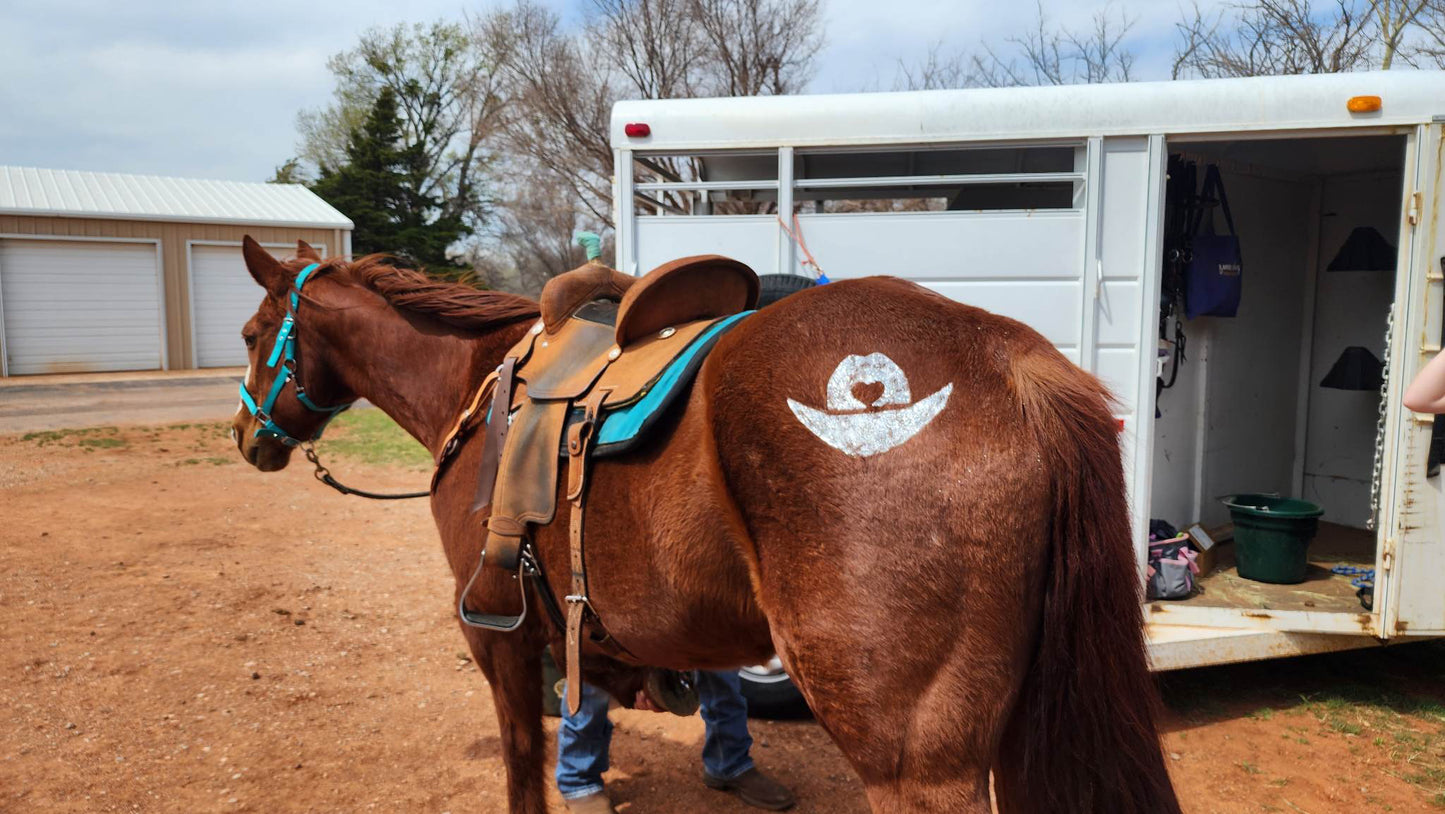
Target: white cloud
{"x": 211, "y": 89}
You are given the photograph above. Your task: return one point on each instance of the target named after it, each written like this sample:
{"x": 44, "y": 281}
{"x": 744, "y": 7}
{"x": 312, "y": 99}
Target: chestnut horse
{"x": 952, "y": 587}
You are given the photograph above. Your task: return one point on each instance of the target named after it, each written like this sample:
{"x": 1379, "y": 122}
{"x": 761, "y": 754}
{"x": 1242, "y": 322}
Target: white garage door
{"x": 223, "y": 297}
{"x": 73, "y": 306}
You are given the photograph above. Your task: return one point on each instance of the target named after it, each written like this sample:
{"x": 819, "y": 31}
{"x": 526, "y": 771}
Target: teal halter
{"x": 284, "y": 355}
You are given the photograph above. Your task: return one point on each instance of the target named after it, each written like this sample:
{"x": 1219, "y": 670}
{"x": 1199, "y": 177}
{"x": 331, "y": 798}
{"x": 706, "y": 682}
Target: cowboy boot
{"x": 591, "y": 804}
{"x": 754, "y": 788}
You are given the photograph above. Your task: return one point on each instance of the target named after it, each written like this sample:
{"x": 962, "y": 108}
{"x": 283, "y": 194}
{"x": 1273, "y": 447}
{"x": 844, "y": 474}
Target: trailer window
{"x": 721, "y": 183}
{"x": 938, "y": 180}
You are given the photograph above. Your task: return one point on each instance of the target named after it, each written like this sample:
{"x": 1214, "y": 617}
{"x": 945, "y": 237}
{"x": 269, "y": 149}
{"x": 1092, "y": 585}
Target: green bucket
{"x": 1272, "y": 536}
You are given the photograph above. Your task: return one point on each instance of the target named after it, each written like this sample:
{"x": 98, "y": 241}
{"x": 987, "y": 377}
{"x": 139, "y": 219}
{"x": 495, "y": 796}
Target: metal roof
{"x": 79, "y": 194}
{"x": 1065, "y": 112}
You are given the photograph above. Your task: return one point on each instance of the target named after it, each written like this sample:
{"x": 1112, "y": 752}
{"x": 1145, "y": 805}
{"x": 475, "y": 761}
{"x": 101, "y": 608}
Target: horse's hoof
{"x": 671, "y": 691}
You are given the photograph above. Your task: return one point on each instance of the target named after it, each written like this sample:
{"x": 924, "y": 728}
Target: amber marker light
{"x": 1364, "y": 104}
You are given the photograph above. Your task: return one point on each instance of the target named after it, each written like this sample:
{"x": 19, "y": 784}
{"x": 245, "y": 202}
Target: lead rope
{"x": 324, "y": 475}
{"x": 1376, "y": 475}
{"x": 796, "y": 234}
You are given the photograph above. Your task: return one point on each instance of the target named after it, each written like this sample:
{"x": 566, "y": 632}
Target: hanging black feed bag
{"x": 1214, "y": 276}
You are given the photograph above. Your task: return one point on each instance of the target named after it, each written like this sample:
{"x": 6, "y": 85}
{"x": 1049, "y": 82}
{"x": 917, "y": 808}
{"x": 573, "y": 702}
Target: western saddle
{"x": 610, "y": 353}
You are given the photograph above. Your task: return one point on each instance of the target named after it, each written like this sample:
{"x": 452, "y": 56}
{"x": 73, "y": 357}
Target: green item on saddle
{"x": 589, "y": 241}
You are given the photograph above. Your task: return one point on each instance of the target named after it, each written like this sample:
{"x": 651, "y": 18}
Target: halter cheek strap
{"x": 283, "y": 354}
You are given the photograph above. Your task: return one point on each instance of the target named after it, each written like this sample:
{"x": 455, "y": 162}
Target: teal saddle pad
{"x": 623, "y": 428}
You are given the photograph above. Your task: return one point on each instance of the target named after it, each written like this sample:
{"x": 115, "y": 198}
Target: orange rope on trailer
{"x": 796, "y": 234}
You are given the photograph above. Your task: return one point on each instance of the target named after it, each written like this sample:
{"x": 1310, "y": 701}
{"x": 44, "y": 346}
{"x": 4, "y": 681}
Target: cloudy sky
{"x": 211, "y": 89}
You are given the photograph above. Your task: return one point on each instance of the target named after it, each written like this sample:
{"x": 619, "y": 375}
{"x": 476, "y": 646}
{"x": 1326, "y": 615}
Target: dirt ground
{"x": 181, "y": 633}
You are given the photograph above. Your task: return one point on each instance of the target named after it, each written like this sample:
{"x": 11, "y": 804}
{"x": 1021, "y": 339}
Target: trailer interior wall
{"x": 1228, "y": 423}
{"x": 1247, "y": 413}
{"x": 1351, "y": 309}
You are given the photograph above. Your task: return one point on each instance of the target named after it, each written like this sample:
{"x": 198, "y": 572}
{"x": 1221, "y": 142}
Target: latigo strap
{"x": 497, "y": 425}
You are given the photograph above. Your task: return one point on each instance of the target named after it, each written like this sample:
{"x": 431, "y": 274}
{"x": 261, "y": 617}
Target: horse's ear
{"x": 267, "y": 270}
{"x": 305, "y": 252}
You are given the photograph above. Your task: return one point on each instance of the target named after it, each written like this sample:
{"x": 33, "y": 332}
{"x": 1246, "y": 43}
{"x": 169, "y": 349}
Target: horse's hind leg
{"x": 513, "y": 667}
{"x": 921, "y": 723}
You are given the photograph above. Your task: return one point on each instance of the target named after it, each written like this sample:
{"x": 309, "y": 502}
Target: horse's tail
{"x": 1082, "y": 737}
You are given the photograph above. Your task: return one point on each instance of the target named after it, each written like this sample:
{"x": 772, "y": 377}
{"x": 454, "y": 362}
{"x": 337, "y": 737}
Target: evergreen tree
{"x": 379, "y": 188}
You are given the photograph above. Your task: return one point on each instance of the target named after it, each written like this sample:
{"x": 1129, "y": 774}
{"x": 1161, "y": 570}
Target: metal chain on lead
{"x": 1377, "y": 471}
{"x": 324, "y": 475}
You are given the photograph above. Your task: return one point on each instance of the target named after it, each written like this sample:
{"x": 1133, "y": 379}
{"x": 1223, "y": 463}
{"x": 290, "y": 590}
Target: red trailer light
{"x": 637, "y": 130}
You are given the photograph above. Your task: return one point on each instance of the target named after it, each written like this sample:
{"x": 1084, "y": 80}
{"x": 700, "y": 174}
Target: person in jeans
{"x": 583, "y": 741}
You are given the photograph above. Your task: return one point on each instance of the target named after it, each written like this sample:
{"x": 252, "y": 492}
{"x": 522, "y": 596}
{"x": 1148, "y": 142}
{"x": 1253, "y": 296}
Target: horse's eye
{"x": 250, "y": 340}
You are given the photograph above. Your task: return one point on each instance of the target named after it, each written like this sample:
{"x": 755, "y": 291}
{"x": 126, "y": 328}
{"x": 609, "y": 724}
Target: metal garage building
{"x": 103, "y": 271}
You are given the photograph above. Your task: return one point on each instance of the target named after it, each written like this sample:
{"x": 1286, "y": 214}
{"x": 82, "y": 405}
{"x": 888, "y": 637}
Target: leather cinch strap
{"x": 579, "y": 439}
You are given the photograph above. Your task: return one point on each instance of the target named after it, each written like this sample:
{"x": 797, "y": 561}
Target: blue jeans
{"x": 583, "y": 739}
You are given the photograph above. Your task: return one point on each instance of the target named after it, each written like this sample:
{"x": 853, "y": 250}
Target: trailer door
{"x": 1411, "y": 565}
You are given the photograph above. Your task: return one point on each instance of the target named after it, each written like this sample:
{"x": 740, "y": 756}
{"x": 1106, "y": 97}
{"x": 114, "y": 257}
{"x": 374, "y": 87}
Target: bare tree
{"x": 1274, "y": 37}
{"x": 1395, "y": 19}
{"x": 655, "y": 44}
{"x": 935, "y": 71}
{"x": 531, "y": 237}
{"x": 561, "y": 85}
{"x": 1099, "y": 53}
{"x": 1045, "y": 54}
{"x": 1422, "y": 42}
{"x": 759, "y": 47}
{"x": 560, "y": 100}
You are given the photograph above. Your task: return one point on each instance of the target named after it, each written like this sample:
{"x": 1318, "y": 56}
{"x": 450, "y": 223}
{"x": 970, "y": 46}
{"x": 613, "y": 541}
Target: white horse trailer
{"x": 1047, "y": 205}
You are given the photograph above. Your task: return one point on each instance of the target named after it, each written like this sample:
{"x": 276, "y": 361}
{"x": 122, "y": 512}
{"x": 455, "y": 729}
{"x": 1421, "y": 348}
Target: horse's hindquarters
{"x": 898, "y": 507}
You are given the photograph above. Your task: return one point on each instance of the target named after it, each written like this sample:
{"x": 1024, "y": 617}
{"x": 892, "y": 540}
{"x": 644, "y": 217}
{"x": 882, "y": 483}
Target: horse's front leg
{"x": 512, "y": 663}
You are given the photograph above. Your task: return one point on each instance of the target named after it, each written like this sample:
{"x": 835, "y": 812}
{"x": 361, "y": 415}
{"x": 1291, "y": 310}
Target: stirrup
{"x": 499, "y": 622}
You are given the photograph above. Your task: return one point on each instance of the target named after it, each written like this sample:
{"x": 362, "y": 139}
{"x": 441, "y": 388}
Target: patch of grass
{"x": 220, "y": 429}
{"x": 1248, "y": 767}
{"x": 90, "y": 437}
{"x": 1344, "y": 727}
{"x": 213, "y": 460}
{"x": 370, "y": 436}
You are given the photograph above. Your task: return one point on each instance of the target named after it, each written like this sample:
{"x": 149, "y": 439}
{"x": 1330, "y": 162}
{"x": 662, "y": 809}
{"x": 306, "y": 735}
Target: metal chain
{"x": 324, "y": 475}
{"x": 1376, "y": 476}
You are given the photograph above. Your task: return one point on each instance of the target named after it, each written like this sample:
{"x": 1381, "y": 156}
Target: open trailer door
{"x": 1411, "y": 567}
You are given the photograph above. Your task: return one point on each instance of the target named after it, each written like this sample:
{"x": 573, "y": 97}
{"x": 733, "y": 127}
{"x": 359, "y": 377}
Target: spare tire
{"x": 770, "y": 692}
{"x": 774, "y": 287}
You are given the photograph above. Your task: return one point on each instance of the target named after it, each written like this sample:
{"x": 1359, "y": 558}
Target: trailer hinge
{"x": 1413, "y": 213}
{"x": 1387, "y": 557}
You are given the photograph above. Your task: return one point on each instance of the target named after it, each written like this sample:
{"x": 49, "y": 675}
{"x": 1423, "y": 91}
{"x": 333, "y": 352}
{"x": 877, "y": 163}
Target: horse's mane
{"x": 456, "y": 304}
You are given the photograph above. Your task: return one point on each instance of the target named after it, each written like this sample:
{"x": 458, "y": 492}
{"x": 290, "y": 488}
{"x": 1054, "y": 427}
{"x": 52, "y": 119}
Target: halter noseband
{"x": 283, "y": 354}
